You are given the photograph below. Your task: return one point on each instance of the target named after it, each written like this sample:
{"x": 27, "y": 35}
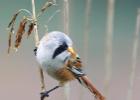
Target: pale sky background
{"x": 19, "y": 78}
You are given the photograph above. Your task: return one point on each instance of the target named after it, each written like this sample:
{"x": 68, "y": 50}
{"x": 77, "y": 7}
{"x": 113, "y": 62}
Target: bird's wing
{"x": 75, "y": 66}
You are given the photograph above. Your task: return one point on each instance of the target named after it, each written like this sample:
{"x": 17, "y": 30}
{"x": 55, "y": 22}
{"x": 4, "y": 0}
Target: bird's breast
{"x": 63, "y": 74}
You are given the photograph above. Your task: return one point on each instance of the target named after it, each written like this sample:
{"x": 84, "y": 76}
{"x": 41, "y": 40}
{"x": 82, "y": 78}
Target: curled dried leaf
{"x": 20, "y": 32}
{"x": 13, "y": 19}
{"x": 31, "y": 27}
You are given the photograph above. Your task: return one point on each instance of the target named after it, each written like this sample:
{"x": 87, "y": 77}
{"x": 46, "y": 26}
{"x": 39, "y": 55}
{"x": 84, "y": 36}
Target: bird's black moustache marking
{"x": 35, "y": 51}
{"x": 60, "y": 49}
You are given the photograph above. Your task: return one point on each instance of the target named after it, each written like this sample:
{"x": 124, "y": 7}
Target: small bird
{"x": 56, "y": 56}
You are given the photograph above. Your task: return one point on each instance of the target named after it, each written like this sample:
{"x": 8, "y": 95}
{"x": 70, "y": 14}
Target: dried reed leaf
{"x": 13, "y": 19}
{"x": 20, "y": 32}
{"x": 48, "y": 4}
{"x": 11, "y": 30}
{"x": 9, "y": 42}
{"x": 31, "y": 27}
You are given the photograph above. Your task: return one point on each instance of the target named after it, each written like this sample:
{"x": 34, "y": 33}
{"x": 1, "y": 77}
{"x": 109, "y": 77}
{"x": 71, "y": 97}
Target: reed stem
{"x": 109, "y": 38}
{"x": 134, "y": 58}
{"x": 36, "y": 38}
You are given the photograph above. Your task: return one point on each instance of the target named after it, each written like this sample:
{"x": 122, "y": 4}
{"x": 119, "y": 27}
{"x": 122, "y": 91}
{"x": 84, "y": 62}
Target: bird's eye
{"x": 61, "y": 48}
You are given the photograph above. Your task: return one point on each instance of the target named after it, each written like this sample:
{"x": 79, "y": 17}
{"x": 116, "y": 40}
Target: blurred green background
{"x": 19, "y": 77}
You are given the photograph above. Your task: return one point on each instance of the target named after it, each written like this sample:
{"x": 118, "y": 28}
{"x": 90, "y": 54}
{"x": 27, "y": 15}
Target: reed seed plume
{"x": 30, "y": 20}
{"x": 11, "y": 30}
{"x": 31, "y": 27}
{"x": 20, "y": 32}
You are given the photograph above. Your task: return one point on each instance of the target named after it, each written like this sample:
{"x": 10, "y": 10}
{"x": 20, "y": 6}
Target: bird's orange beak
{"x": 71, "y": 50}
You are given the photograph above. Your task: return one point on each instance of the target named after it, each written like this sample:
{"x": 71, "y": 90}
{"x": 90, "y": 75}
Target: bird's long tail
{"x": 84, "y": 80}
{"x": 75, "y": 66}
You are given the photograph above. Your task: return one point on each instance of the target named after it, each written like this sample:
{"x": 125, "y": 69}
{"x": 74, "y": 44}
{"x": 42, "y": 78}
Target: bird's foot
{"x": 46, "y": 93}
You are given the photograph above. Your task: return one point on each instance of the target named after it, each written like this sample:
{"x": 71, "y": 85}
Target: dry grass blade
{"x": 10, "y": 38}
{"x": 31, "y": 27}
{"x": 9, "y": 42}
{"x": 20, "y": 32}
{"x": 13, "y": 19}
{"x": 47, "y": 5}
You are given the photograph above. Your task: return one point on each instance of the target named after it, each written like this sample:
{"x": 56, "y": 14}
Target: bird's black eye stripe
{"x": 60, "y": 49}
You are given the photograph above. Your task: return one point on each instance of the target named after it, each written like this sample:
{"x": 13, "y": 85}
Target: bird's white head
{"x": 55, "y": 45}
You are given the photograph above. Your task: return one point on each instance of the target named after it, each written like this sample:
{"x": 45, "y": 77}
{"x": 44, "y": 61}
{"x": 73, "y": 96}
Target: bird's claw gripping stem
{"x": 46, "y": 93}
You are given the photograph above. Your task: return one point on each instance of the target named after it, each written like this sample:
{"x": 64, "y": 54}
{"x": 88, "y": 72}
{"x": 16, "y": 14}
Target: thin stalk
{"x": 134, "y": 58}
{"x": 50, "y": 19}
{"x": 52, "y": 16}
{"x": 86, "y": 37}
{"x": 109, "y": 38}
{"x": 25, "y": 10}
{"x": 36, "y": 38}
{"x": 66, "y": 30}
{"x": 35, "y": 27}
{"x": 87, "y": 30}
{"x": 66, "y": 16}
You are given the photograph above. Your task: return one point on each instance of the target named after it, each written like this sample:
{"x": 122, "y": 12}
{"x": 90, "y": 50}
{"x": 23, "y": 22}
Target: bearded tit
{"x": 57, "y": 57}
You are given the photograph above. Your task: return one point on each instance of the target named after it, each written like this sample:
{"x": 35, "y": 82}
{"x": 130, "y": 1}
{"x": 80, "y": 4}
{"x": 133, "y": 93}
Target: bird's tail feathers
{"x": 88, "y": 84}
{"x": 83, "y": 79}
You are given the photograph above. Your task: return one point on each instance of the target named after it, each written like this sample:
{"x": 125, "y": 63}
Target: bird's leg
{"x": 46, "y": 93}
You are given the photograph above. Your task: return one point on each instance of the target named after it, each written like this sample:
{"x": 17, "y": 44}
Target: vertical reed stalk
{"x": 66, "y": 30}
{"x": 66, "y": 16}
{"x": 67, "y": 91}
{"x": 109, "y": 37}
{"x": 36, "y": 38}
{"x": 86, "y": 37}
{"x": 87, "y": 30}
{"x": 134, "y": 58}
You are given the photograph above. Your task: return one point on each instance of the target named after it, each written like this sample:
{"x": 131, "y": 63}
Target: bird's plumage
{"x": 56, "y": 56}
{"x": 52, "y": 55}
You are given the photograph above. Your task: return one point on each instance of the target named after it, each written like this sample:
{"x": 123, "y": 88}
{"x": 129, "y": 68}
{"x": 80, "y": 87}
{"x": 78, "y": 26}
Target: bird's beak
{"x": 71, "y": 50}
